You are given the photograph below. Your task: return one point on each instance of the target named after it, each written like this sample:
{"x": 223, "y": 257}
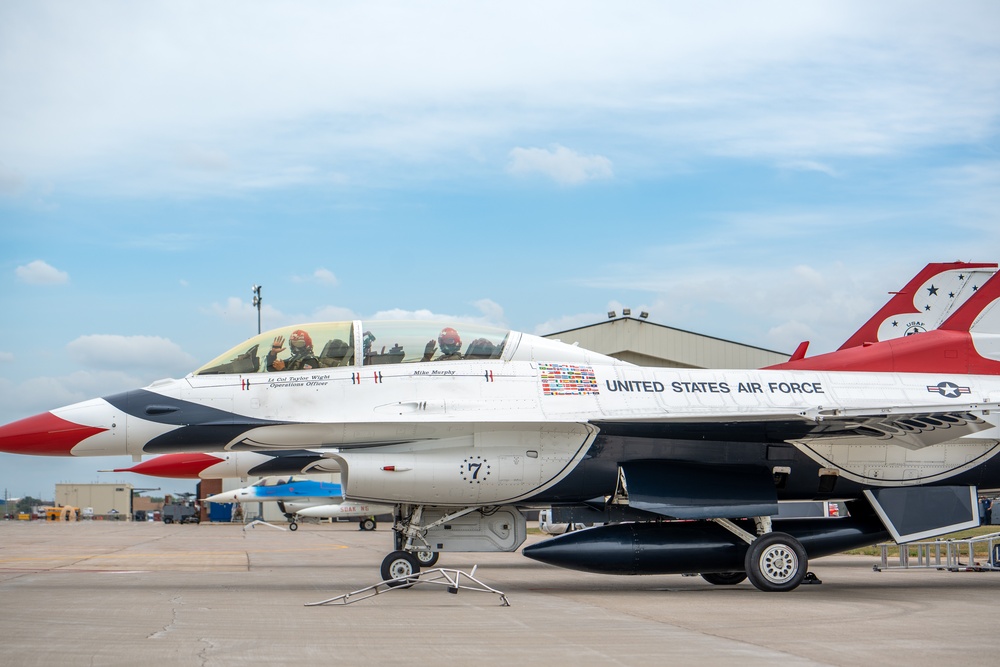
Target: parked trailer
{"x": 180, "y": 514}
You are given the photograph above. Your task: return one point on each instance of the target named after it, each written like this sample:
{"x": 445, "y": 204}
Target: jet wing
{"x": 906, "y": 426}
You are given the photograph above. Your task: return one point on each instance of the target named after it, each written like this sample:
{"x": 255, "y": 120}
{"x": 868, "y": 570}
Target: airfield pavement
{"x": 110, "y": 593}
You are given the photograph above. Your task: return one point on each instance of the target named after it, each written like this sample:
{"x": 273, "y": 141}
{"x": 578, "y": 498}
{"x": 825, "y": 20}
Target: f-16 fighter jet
{"x": 459, "y": 427}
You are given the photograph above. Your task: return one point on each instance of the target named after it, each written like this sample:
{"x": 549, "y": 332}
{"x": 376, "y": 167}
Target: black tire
{"x": 397, "y": 566}
{"x": 293, "y": 526}
{"x": 168, "y": 521}
{"x": 368, "y": 524}
{"x": 724, "y": 578}
{"x": 427, "y": 558}
{"x": 776, "y": 562}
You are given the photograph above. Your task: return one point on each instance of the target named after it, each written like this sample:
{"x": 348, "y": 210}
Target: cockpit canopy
{"x": 333, "y": 344}
{"x": 280, "y": 481}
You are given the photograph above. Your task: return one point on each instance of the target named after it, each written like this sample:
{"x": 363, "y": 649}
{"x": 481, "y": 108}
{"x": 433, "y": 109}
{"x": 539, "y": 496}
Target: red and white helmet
{"x": 300, "y": 339}
{"x": 449, "y": 341}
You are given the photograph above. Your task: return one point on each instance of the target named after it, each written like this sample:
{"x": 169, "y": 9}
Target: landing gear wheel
{"x": 776, "y": 562}
{"x": 724, "y": 578}
{"x": 368, "y": 524}
{"x": 426, "y": 558}
{"x": 293, "y": 526}
{"x": 397, "y": 566}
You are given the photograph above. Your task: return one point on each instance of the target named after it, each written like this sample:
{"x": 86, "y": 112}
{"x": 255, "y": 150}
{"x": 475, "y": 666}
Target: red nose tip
{"x": 44, "y": 435}
{"x": 180, "y": 466}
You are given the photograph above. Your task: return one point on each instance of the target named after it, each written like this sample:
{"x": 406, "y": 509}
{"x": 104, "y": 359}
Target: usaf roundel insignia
{"x": 948, "y": 389}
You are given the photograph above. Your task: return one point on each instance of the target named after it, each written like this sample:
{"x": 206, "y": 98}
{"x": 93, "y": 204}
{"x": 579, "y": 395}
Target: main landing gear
{"x": 412, "y": 550}
{"x": 400, "y": 564}
{"x": 775, "y": 562}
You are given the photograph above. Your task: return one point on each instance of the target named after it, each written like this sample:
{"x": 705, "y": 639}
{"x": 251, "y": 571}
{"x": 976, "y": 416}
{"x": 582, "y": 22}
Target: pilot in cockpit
{"x": 302, "y": 353}
{"x": 450, "y": 343}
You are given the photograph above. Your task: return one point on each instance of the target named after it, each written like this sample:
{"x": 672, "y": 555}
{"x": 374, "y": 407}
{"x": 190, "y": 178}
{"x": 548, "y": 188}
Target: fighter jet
{"x": 298, "y": 495}
{"x": 900, "y": 316}
{"x": 459, "y": 436}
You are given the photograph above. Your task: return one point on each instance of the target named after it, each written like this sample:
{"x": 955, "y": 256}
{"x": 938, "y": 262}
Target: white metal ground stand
{"x": 256, "y": 522}
{"x": 452, "y": 579}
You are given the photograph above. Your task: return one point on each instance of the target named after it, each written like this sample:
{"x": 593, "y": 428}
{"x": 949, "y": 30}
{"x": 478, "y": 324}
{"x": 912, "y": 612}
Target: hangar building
{"x": 646, "y": 343}
{"x": 103, "y": 499}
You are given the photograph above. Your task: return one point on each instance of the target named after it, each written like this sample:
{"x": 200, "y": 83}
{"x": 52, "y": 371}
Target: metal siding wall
{"x": 102, "y": 497}
{"x": 656, "y": 345}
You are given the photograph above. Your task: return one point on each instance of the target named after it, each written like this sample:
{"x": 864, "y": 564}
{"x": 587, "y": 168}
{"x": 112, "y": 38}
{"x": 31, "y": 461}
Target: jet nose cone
{"x": 225, "y": 497}
{"x": 44, "y": 435}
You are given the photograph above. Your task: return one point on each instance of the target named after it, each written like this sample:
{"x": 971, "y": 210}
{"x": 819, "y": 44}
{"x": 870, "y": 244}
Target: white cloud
{"x": 33, "y": 395}
{"x": 402, "y": 314}
{"x": 131, "y": 353}
{"x": 236, "y": 309}
{"x": 491, "y": 315}
{"x": 197, "y": 157}
{"x": 399, "y": 85}
{"x": 787, "y": 336}
{"x": 492, "y": 311}
{"x": 11, "y": 182}
{"x": 6, "y": 357}
{"x": 810, "y": 165}
{"x": 763, "y": 303}
{"x": 320, "y": 277}
{"x": 560, "y": 164}
{"x": 333, "y": 314}
{"x": 325, "y": 277}
{"x": 40, "y": 273}
{"x": 567, "y": 322}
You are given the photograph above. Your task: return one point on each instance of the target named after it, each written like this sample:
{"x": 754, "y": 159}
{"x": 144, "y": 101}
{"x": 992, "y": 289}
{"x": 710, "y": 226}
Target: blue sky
{"x": 763, "y": 172}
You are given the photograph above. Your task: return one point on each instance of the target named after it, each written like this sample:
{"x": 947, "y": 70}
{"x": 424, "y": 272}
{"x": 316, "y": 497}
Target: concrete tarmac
{"x": 109, "y": 593}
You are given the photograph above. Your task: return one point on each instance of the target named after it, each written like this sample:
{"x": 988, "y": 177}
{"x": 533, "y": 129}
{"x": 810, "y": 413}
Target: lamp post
{"x": 256, "y": 303}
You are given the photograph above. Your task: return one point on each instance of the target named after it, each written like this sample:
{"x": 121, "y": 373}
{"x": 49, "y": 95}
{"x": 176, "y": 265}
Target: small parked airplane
{"x": 305, "y": 497}
{"x": 459, "y": 438}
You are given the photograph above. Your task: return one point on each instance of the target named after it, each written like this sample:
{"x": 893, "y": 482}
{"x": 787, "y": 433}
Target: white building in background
{"x": 645, "y": 343}
{"x": 105, "y": 499}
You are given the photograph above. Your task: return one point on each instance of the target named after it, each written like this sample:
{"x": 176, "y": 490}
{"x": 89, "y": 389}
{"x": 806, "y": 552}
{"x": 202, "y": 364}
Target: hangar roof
{"x": 646, "y": 343}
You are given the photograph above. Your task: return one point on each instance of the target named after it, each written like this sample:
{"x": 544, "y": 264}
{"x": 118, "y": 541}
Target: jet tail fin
{"x": 932, "y": 296}
{"x": 967, "y": 342}
{"x": 981, "y": 313}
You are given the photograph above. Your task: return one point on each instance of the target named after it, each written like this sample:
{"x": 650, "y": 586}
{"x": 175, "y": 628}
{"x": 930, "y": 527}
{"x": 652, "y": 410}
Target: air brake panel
{"x": 922, "y": 512}
{"x": 687, "y": 491}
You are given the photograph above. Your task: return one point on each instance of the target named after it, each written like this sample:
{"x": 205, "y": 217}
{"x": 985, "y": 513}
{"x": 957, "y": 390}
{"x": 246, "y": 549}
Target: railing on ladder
{"x": 955, "y": 555}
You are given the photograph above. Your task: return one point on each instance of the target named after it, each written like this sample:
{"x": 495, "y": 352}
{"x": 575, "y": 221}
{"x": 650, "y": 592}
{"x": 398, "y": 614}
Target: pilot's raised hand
{"x": 429, "y": 350}
{"x": 276, "y": 348}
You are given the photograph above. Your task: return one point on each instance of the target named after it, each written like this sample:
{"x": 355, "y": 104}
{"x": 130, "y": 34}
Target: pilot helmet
{"x": 449, "y": 341}
{"x": 300, "y": 341}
